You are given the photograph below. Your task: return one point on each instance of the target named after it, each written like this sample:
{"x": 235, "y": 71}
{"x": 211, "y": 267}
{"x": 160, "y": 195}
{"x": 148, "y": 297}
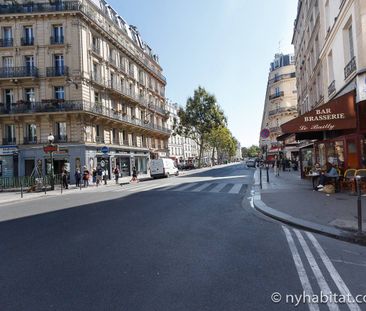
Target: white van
{"x": 163, "y": 168}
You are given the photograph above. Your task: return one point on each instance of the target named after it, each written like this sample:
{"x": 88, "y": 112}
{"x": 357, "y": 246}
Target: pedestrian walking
{"x": 116, "y": 174}
{"x": 94, "y": 174}
{"x": 64, "y": 179}
{"x": 105, "y": 176}
{"x": 134, "y": 175}
{"x": 86, "y": 177}
{"x": 276, "y": 166}
{"x": 99, "y": 175}
{"x": 77, "y": 177}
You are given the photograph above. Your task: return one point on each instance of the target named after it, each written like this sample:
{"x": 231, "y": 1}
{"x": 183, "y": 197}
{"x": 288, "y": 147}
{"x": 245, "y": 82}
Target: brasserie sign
{"x": 335, "y": 115}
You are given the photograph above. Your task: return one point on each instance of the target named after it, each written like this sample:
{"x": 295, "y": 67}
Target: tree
{"x": 244, "y": 152}
{"x": 219, "y": 139}
{"x": 200, "y": 116}
{"x": 253, "y": 151}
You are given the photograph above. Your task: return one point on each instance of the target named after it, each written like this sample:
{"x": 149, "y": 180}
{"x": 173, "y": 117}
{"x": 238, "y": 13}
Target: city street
{"x": 192, "y": 242}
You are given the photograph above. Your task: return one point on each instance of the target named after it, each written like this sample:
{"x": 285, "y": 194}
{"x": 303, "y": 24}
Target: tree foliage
{"x": 199, "y": 118}
{"x": 253, "y": 151}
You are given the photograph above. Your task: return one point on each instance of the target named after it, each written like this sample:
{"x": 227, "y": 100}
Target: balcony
{"x": 30, "y": 140}
{"x": 18, "y": 72}
{"x": 99, "y": 140}
{"x": 27, "y": 41}
{"x": 57, "y": 71}
{"x": 97, "y": 78}
{"x": 40, "y": 7}
{"x": 62, "y": 106}
{"x": 60, "y": 138}
{"x": 276, "y": 95}
{"x": 113, "y": 61}
{"x": 6, "y": 43}
{"x": 350, "y": 68}
{"x": 131, "y": 73}
{"x": 281, "y": 110}
{"x": 96, "y": 49}
{"x": 331, "y": 88}
{"x": 57, "y": 40}
{"x": 9, "y": 141}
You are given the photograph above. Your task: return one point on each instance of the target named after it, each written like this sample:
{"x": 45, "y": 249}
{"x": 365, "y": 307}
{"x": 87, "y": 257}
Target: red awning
{"x": 337, "y": 114}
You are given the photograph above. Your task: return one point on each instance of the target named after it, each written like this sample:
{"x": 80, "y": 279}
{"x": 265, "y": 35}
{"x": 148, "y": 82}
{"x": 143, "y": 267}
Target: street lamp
{"x": 51, "y": 139}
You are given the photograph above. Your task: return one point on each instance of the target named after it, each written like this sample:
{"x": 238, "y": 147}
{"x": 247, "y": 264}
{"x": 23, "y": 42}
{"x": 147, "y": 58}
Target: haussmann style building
{"x": 330, "y": 40}
{"x": 280, "y": 106}
{"x": 78, "y": 71}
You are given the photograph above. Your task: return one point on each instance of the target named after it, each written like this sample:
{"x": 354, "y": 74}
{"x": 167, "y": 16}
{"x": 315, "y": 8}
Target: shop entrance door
{"x": 352, "y": 159}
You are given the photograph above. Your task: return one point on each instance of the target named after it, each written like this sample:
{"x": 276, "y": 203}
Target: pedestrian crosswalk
{"x": 205, "y": 187}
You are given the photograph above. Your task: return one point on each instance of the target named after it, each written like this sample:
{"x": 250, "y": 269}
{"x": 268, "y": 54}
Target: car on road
{"x": 163, "y": 168}
{"x": 251, "y": 162}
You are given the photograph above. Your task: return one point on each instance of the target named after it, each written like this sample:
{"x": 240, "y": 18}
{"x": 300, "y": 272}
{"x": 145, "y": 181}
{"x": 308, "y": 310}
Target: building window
{"x": 61, "y": 132}
{"x": 350, "y": 43}
{"x": 59, "y": 92}
{"x": 29, "y": 95}
{"x": 29, "y": 64}
{"x": 57, "y": 34}
{"x": 7, "y": 36}
{"x": 31, "y": 131}
{"x": 10, "y": 133}
{"x": 59, "y": 64}
{"x": 8, "y": 62}
{"x": 8, "y": 96}
{"x": 28, "y": 36}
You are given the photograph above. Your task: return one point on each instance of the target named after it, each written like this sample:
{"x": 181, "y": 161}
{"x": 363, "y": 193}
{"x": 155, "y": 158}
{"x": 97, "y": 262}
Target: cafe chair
{"x": 348, "y": 179}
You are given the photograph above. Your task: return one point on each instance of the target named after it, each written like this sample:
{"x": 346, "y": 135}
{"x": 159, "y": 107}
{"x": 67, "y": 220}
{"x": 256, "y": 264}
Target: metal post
{"x": 44, "y": 184}
{"x": 359, "y": 205}
{"x": 62, "y": 184}
{"x": 267, "y": 173}
{"x": 52, "y": 179}
{"x": 21, "y": 190}
{"x": 260, "y": 176}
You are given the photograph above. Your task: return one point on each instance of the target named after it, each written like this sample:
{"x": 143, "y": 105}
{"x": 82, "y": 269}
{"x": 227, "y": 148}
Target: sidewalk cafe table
{"x": 314, "y": 179}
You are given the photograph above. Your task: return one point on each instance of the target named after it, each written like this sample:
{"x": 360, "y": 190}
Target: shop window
{"x": 351, "y": 154}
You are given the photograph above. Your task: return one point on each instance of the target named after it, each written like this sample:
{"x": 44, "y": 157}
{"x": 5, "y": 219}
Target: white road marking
{"x": 324, "y": 287}
{"x": 218, "y": 188}
{"x": 236, "y": 188}
{"x": 185, "y": 187}
{"x": 308, "y": 290}
{"x": 333, "y": 273}
{"x": 200, "y": 188}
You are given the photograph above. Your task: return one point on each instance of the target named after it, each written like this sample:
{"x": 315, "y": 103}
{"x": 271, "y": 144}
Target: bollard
{"x": 80, "y": 185}
{"x": 21, "y": 190}
{"x": 45, "y": 185}
{"x": 267, "y": 173}
{"x": 61, "y": 185}
{"x": 260, "y": 176}
{"x": 359, "y": 205}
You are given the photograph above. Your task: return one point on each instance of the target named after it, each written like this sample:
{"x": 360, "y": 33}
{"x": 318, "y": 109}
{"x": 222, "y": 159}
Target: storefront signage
{"x": 50, "y": 148}
{"x": 8, "y": 150}
{"x": 335, "y": 115}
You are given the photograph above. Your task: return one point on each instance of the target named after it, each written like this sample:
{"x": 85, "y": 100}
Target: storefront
{"x": 329, "y": 133}
{"x": 8, "y": 161}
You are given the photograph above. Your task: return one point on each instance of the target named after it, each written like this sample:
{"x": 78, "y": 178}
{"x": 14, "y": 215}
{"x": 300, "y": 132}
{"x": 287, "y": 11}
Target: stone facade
{"x": 79, "y": 71}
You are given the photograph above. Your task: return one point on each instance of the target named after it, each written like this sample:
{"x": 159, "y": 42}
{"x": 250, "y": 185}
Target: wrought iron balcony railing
{"x": 27, "y": 41}
{"x": 30, "y": 140}
{"x": 55, "y": 105}
{"x": 30, "y": 7}
{"x": 350, "y": 68}
{"x": 281, "y": 110}
{"x": 60, "y": 138}
{"x": 9, "y": 141}
{"x": 18, "y": 72}
{"x": 57, "y": 71}
{"x": 57, "y": 40}
{"x": 6, "y": 42}
{"x": 276, "y": 95}
{"x": 331, "y": 88}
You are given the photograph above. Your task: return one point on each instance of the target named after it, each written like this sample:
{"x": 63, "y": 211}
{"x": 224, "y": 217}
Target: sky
{"x": 225, "y": 46}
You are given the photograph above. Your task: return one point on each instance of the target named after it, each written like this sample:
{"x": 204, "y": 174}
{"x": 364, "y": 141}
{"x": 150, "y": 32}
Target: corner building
{"x": 77, "y": 70}
{"x": 329, "y": 39}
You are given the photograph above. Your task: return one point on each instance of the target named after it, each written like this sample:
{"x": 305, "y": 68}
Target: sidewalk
{"x": 290, "y": 199}
{"x": 15, "y": 196}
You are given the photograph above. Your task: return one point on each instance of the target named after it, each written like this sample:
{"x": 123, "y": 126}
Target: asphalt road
{"x": 188, "y": 243}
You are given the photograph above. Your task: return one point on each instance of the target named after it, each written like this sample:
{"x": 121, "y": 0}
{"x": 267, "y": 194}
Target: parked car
{"x": 251, "y": 162}
{"x": 163, "y": 168}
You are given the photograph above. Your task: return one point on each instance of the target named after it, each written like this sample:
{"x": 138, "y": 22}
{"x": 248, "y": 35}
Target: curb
{"x": 325, "y": 230}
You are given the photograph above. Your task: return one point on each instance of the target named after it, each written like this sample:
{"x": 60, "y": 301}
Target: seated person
{"x": 327, "y": 175}
{"x": 317, "y": 169}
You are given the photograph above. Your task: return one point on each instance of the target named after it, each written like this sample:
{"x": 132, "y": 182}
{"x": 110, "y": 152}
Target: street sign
{"x": 104, "y": 149}
{"x": 50, "y": 148}
{"x": 265, "y": 133}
